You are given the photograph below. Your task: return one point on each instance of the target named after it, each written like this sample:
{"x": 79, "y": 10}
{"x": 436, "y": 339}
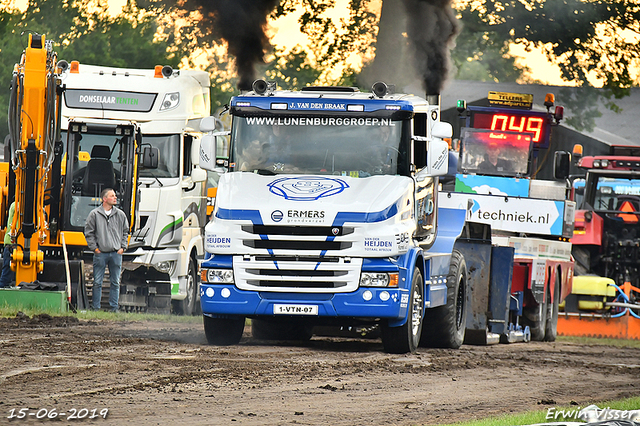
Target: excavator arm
{"x": 36, "y": 151}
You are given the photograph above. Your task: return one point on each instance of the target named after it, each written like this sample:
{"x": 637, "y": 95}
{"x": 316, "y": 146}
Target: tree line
{"x": 587, "y": 39}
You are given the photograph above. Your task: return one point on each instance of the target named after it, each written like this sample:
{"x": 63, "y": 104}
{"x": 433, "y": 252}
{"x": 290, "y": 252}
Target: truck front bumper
{"x": 369, "y": 302}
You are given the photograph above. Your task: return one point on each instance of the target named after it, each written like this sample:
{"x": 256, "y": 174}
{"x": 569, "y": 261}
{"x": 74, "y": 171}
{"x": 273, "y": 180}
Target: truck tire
{"x": 187, "y": 306}
{"x": 223, "y": 331}
{"x": 551, "y": 327}
{"x": 536, "y": 318}
{"x": 444, "y": 326}
{"x": 582, "y": 256}
{"x": 280, "y": 330}
{"x": 403, "y": 339}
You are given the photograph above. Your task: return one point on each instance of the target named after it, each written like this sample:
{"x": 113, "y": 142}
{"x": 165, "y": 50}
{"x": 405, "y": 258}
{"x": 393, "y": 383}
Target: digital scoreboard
{"x": 532, "y": 122}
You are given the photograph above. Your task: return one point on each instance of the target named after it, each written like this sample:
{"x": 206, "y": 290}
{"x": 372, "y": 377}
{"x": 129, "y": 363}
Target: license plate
{"x": 295, "y": 309}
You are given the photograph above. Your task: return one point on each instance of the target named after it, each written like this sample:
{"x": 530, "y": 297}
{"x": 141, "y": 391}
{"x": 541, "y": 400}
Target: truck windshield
{"x": 168, "y": 156}
{"x": 617, "y": 194}
{"x": 358, "y": 147}
{"x": 496, "y": 153}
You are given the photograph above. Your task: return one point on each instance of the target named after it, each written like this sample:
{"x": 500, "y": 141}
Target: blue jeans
{"x": 100, "y": 262}
{"x": 8, "y": 276}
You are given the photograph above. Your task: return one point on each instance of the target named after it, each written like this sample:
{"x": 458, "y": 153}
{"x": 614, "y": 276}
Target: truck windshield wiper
{"x": 156, "y": 178}
{"x": 266, "y": 172}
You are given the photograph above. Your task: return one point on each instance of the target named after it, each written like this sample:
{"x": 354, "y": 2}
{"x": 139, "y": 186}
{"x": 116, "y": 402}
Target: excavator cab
{"x": 100, "y": 157}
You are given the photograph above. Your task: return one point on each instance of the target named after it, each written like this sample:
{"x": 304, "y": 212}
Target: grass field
{"x": 549, "y": 415}
{"x": 11, "y": 311}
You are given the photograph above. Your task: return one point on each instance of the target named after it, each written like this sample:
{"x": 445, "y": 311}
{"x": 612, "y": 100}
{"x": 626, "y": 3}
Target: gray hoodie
{"x": 108, "y": 233}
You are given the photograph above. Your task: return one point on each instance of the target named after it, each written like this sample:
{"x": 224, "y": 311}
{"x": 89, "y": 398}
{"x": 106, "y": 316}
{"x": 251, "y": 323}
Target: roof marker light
{"x": 549, "y": 100}
{"x": 392, "y": 107}
{"x": 75, "y": 67}
{"x": 243, "y": 104}
{"x": 279, "y": 106}
{"x": 158, "y": 71}
{"x": 355, "y": 108}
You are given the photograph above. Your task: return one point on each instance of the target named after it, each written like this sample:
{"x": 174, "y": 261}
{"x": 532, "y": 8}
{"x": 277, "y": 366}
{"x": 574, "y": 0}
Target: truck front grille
{"x": 324, "y": 231}
{"x": 297, "y": 273}
{"x": 297, "y": 245}
{"x": 297, "y": 238}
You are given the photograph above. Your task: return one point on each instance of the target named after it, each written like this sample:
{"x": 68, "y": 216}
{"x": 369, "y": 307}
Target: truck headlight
{"x": 216, "y": 276}
{"x": 379, "y": 279}
{"x": 166, "y": 266}
{"x": 170, "y": 101}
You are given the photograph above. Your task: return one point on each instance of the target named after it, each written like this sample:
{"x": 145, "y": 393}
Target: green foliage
{"x": 331, "y": 41}
{"x": 587, "y": 39}
{"x": 292, "y": 70}
{"x": 482, "y": 55}
{"x": 585, "y": 100}
{"x": 82, "y": 30}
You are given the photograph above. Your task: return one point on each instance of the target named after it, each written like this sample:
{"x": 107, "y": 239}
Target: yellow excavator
{"x": 47, "y": 245}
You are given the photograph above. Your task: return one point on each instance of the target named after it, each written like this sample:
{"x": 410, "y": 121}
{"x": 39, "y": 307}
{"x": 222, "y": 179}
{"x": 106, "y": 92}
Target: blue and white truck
{"x": 327, "y": 214}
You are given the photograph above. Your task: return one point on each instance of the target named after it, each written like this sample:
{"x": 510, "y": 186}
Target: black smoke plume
{"x": 431, "y": 28}
{"x": 241, "y": 24}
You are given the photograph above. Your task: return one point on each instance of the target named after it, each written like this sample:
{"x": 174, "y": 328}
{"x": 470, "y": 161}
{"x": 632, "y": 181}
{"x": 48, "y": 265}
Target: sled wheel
{"x": 536, "y": 318}
{"x": 551, "y": 328}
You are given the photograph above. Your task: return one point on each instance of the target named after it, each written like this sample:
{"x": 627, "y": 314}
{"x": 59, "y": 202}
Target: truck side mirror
{"x": 442, "y": 130}
{"x": 438, "y": 157}
{"x": 198, "y": 175}
{"x": 208, "y": 152}
{"x": 213, "y": 152}
{"x": 561, "y": 165}
{"x": 150, "y": 157}
{"x": 209, "y": 124}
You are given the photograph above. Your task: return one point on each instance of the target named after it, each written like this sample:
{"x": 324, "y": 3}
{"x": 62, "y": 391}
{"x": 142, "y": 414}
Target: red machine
{"x": 606, "y": 247}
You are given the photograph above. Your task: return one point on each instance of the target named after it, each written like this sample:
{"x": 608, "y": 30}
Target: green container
{"x": 55, "y": 301}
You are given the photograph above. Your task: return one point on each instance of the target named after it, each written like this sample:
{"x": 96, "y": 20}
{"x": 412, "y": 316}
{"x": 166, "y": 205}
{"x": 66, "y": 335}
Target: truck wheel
{"x": 280, "y": 330}
{"x": 582, "y": 256}
{"x": 187, "y": 306}
{"x": 444, "y": 326}
{"x": 403, "y": 339}
{"x": 223, "y": 331}
{"x": 536, "y": 318}
{"x": 551, "y": 328}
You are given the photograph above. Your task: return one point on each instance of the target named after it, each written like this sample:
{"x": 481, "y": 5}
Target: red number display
{"x": 512, "y": 122}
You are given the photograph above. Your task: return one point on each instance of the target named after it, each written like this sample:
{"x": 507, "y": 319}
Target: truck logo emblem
{"x": 335, "y": 231}
{"x": 307, "y": 188}
{"x": 276, "y": 216}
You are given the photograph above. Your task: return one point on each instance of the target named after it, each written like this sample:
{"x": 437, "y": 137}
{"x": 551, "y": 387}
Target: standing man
{"x": 106, "y": 231}
{"x": 8, "y": 276}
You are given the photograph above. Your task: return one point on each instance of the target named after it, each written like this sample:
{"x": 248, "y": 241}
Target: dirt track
{"x": 150, "y": 373}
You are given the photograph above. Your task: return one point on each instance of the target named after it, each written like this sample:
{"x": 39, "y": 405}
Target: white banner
{"x": 511, "y": 214}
